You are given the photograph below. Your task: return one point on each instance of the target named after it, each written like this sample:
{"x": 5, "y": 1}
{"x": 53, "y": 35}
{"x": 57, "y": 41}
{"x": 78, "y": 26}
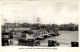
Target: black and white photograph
{"x": 40, "y": 24}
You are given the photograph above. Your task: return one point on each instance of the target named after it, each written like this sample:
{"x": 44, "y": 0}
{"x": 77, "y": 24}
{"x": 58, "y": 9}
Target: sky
{"x": 48, "y": 12}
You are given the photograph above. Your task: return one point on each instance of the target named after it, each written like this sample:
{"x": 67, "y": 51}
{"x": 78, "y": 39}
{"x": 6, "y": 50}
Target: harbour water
{"x": 64, "y": 39}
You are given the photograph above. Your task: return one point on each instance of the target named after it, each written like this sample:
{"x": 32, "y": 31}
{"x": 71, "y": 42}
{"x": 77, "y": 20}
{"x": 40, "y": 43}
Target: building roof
{"x": 5, "y": 33}
{"x": 15, "y": 29}
{"x": 28, "y": 31}
{"x": 21, "y": 29}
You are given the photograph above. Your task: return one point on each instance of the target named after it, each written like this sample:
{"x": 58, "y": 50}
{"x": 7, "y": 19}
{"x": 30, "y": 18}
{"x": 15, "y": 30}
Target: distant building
{"x": 28, "y": 34}
{"x": 16, "y": 32}
{"x": 7, "y": 35}
{"x": 10, "y": 25}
